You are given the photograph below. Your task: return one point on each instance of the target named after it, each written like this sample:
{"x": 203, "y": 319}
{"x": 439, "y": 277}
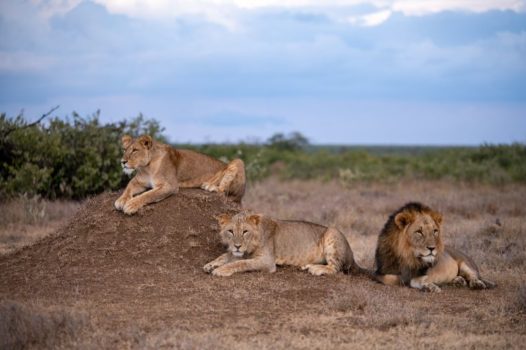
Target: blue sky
{"x": 339, "y": 71}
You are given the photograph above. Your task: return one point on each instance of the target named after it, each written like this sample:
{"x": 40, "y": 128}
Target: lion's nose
{"x": 431, "y": 248}
{"x": 123, "y": 162}
{"x": 237, "y": 246}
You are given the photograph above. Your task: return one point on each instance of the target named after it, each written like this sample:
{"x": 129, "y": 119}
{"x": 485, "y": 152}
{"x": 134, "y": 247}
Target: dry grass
{"x": 27, "y": 219}
{"x": 23, "y": 326}
{"x": 293, "y": 310}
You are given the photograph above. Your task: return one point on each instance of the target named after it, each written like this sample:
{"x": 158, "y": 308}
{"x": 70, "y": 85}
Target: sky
{"x": 385, "y": 72}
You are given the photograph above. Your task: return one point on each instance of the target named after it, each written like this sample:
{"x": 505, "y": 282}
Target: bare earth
{"x": 106, "y": 280}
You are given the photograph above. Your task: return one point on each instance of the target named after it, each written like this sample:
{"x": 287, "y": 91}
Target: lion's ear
{"x": 146, "y": 141}
{"x": 437, "y": 217}
{"x": 223, "y": 219}
{"x": 126, "y": 141}
{"x": 255, "y": 219}
{"x": 403, "y": 219}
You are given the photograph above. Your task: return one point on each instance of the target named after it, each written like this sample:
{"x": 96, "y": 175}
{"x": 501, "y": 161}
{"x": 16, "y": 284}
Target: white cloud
{"x": 166, "y": 8}
{"x": 372, "y": 19}
{"x": 228, "y": 13}
{"x": 419, "y": 7}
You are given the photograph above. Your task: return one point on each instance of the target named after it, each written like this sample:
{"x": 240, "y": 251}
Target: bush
{"x": 70, "y": 158}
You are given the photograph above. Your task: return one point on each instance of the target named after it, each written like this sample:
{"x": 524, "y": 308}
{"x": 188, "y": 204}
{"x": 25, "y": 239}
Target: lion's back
{"x": 192, "y": 164}
{"x": 297, "y": 241}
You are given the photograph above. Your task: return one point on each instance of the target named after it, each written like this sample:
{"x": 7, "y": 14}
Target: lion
{"x": 258, "y": 243}
{"x": 410, "y": 251}
{"x": 161, "y": 170}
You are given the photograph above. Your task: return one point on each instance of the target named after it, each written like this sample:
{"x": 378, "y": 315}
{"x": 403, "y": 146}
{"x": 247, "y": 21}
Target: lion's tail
{"x": 355, "y": 269}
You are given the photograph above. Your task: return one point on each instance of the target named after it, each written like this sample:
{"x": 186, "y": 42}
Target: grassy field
{"x": 27, "y": 219}
{"x": 288, "y": 309}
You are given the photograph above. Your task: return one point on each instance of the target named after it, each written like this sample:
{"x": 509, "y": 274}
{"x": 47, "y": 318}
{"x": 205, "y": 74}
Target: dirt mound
{"x": 100, "y": 242}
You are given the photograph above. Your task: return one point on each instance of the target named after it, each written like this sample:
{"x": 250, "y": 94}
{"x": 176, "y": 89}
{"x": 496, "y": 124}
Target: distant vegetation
{"x": 79, "y": 156}
{"x": 492, "y": 164}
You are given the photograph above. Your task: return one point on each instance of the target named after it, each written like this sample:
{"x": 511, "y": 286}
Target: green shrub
{"x": 70, "y": 158}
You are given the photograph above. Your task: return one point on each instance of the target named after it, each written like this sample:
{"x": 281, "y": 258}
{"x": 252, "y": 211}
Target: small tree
{"x": 294, "y": 141}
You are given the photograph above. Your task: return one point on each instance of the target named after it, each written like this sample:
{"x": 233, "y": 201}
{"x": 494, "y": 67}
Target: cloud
{"x": 371, "y": 19}
{"x": 175, "y": 8}
{"x": 419, "y": 7}
{"x": 89, "y": 51}
{"x": 181, "y": 68}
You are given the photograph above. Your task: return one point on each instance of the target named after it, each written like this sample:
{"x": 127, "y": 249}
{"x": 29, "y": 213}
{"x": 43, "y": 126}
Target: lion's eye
{"x": 435, "y": 232}
{"x": 245, "y": 232}
{"x": 134, "y": 150}
{"x": 230, "y": 233}
{"x": 419, "y": 234}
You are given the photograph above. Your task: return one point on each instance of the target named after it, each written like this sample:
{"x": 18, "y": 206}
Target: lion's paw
{"x": 320, "y": 270}
{"x": 131, "y": 207}
{"x": 119, "y": 203}
{"x": 431, "y": 288}
{"x": 459, "y": 281}
{"x": 209, "y": 187}
{"x": 208, "y": 268}
{"x": 477, "y": 284}
{"x": 222, "y": 272}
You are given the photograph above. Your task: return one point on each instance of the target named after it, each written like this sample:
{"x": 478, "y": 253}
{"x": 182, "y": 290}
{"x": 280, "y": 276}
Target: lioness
{"x": 410, "y": 252}
{"x": 259, "y": 243}
{"x": 162, "y": 170}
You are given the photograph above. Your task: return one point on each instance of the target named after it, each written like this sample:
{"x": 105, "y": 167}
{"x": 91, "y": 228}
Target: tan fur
{"x": 410, "y": 252}
{"x": 259, "y": 243}
{"x": 161, "y": 170}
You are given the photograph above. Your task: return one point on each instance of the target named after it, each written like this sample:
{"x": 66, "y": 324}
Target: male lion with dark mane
{"x": 161, "y": 170}
{"x": 410, "y": 252}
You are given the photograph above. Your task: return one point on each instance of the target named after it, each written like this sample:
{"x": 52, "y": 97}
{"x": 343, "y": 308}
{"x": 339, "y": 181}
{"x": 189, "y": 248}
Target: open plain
{"x": 101, "y": 279}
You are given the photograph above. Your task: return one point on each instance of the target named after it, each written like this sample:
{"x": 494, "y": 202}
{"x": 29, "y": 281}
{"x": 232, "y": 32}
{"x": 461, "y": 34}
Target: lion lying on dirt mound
{"x": 410, "y": 252}
{"x": 162, "y": 170}
{"x": 259, "y": 243}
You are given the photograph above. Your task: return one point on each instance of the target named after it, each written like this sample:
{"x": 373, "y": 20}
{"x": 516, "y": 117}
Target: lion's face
{"x": 422, "y": 235}
{"x": 137, "y": 153}
{"x": 240, "y": 233}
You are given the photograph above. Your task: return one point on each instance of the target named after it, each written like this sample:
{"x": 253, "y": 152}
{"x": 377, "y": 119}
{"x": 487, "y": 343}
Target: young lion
{"x": 161, "y": 170}
{"x": 410, "y": 252}
{"x": 259, "y": 243}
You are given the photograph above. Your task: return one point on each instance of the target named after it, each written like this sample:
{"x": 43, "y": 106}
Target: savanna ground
{"x": 99, "y": 279}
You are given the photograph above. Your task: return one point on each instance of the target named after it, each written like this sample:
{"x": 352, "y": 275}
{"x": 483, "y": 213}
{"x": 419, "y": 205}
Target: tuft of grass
{"x": 23, "y": 326}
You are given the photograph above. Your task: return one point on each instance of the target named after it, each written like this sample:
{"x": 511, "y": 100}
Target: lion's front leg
{"x": 243, "y": 266}
{"x": 424, "y": 285}
{"x": 131, "y": 189}
{"x": 156, "y": 194}
{"x": 219, "y": 261}
{"x": 390, "y": 280}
